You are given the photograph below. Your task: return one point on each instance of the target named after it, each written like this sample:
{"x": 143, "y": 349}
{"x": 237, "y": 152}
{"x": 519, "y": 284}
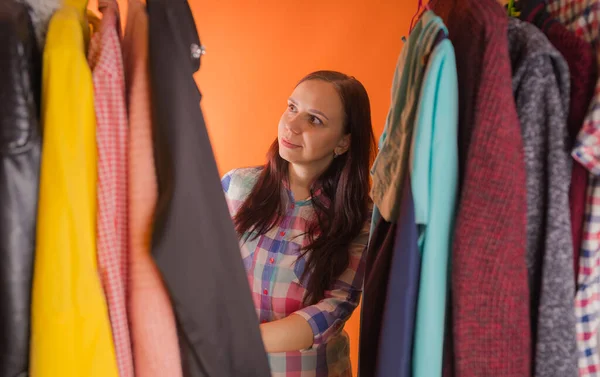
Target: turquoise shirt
{"x": 434, "y": 182}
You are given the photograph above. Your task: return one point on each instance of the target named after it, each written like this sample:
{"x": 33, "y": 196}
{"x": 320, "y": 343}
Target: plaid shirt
{"x": 106, "y": 61}
{"x": 274, "y": 267}
{"x": 583, "y": 18}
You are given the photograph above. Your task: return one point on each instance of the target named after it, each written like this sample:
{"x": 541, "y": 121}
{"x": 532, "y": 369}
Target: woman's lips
{"x": 287, "y": 144}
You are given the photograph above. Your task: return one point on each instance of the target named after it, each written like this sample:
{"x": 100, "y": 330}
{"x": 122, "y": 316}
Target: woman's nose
{"x": 293, "y": 124}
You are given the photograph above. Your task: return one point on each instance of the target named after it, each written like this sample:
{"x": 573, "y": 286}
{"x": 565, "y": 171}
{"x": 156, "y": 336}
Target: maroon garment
{"x": 490, "y": 309}
{"x": 377, "y": 274}
{"x": 580, "y": 57}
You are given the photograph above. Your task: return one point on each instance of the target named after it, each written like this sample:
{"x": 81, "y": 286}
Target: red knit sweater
{"x": 490, "y": 294}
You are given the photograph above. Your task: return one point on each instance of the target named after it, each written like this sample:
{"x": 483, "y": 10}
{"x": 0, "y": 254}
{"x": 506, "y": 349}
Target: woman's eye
{"x": 291, "y": 107}
{"x": 315, "y": 120}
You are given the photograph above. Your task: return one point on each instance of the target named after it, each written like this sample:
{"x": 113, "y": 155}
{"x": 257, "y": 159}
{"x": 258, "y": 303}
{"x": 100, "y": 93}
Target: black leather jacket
{"x": 20, "y": 147}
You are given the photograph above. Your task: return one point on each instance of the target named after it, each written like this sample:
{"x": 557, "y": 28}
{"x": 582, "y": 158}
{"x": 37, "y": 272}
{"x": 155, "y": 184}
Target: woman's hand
{"x": 291, "y": 333}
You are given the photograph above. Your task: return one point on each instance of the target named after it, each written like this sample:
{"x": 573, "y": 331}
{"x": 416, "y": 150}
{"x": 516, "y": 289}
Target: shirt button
{"x": 265, "y": 291}
{"x": 282, "y": 234}
{"x": 272, "y": 260}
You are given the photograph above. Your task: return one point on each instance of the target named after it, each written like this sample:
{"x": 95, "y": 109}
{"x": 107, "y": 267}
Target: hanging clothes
{"x": 40, "y": 12}
{"x": 581, "y": 18}
{"x": 490, "y": 295}
{"x": 391, "y": 164}
{"x": 581, "y": 59}
{"x": 390, "y": 171}
{"x": 379, "y": 265}
{"x": 153, "y": 327}
{"x": 435, "y": 165}
{"x": 194, "y": 242}
{"x": 106, "y": 62}
{"x": 395, "y": 247}
{"x": 20, "y": 75}
{"x": 541, "y": 89}
{"x": 70, "y": 329}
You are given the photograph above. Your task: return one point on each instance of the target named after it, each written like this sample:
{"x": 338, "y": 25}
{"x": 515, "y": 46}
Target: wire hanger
{"x": 412, "y": 20}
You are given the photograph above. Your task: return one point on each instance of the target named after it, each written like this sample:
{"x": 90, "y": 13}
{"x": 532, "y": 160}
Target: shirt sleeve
{"x": 228, "y": 188}
{"x": 237, "y": 185}
{"x": 226, "y": 181}
{"x": 328, "y": 316}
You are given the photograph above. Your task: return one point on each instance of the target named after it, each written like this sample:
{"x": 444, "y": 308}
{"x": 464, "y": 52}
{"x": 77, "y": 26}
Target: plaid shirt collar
{"x": 317, "y": 193}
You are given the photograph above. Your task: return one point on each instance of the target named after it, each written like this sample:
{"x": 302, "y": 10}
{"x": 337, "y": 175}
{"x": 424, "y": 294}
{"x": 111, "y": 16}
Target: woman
{"x": 303, "y": 222}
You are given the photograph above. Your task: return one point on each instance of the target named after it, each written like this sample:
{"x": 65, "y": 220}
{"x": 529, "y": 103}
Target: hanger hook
{"x": 412, "y": 20}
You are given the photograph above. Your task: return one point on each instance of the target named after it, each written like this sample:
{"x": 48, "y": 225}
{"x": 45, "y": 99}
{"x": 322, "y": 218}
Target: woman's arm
{"x": 292, "y": 333}
{"x": 315, "y": 324}
{"x": 327, "y": 317}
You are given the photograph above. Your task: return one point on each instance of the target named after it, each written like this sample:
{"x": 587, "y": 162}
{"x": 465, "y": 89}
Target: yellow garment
{"x": 70, "y": 334}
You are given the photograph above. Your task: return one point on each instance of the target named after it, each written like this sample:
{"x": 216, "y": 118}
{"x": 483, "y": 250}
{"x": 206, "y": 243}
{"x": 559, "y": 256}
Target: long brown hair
{"x": 342, "y": 213}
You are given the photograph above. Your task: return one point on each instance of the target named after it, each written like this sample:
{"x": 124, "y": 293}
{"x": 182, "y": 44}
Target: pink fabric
{"x": 106, "y": 63}
{"x": 155, "y": 342}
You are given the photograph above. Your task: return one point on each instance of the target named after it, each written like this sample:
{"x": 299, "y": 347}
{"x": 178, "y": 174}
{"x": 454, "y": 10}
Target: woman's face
{"x": 312, "y": 126}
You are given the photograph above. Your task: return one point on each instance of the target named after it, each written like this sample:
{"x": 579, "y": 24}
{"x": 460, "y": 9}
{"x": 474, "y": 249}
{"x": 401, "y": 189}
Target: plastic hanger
{"x": 512, "y": 9}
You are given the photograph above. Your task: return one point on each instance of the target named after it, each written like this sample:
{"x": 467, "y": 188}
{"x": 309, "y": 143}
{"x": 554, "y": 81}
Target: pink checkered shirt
{"x": 106, "y": 63}
{"x": 274, "y": 268}
{"x": 583, "y": 18}
{"x": 151, "y": 318}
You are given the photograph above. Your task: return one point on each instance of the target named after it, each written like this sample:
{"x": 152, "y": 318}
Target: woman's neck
{"x": 301, "y": 180}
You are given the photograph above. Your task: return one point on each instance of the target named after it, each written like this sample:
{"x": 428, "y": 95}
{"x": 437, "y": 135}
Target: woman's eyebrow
{"x": 310, "y": 110}
{"x": 318, "y": 112}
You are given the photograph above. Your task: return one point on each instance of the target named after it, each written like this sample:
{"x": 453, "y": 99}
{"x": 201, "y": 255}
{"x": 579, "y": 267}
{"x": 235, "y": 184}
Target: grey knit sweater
{"x": 541, "y": 89}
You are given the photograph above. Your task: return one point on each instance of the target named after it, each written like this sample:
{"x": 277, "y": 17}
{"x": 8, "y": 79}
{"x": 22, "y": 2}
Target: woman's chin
{"x": 287, "y": 155}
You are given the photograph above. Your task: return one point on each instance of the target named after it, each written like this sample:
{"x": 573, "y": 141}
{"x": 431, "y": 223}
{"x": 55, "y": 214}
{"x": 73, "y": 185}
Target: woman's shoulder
{"x": 238, "y": 183}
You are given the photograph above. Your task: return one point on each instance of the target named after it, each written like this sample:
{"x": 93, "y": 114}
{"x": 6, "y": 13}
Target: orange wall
{"x": 257, "y": 50}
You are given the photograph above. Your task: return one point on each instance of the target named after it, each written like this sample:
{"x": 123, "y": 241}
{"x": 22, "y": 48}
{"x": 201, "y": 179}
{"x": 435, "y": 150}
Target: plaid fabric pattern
{"x": 587, "y": 303}
{"x": 582, "y": 17}
{"x": 106, "y": 63}
{"x": 274, "y": 268}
